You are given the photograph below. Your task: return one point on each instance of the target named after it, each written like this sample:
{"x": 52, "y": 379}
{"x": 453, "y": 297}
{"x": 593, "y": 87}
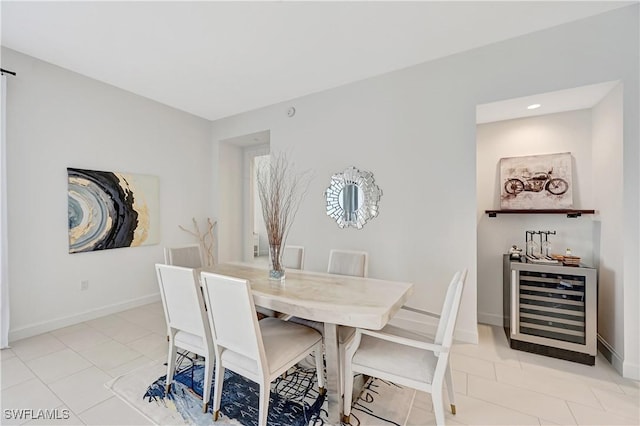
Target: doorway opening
{"x": 238, "y": 221}
{"x": 259, "y": 231}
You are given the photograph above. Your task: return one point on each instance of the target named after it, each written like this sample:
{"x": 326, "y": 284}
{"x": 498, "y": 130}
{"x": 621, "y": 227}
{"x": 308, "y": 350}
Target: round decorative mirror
{"x": 352, "y": 198}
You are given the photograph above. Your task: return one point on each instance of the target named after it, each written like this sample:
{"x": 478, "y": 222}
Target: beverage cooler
{"x": 551, "y": 309}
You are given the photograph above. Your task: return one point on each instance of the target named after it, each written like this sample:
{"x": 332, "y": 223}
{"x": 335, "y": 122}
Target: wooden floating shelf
{"x": 568, "y": 212}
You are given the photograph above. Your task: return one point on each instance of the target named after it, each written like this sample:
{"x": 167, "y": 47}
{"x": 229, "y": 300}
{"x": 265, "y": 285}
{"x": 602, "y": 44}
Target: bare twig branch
{"x": 281, "y": 190}
{"x": 206, "y": 240}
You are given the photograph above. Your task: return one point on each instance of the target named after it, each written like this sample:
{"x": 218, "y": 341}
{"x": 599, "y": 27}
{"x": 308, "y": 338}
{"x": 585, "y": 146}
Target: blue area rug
{"x": 294, "y": 400}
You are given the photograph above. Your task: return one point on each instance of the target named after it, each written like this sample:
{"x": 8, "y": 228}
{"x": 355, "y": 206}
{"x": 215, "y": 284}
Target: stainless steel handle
{"x": 513, "y": 302}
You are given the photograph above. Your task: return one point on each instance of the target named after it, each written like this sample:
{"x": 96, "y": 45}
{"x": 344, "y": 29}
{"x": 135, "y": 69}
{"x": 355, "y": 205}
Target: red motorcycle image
{"x": 539, "y": 182}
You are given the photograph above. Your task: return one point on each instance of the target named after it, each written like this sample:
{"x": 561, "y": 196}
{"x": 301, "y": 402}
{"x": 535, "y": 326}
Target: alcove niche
{"x": 587, "y": 122}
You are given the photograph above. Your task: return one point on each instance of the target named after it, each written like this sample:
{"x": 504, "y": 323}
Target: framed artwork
{"x": 111, "y": 210}
{"x": 536, "y": 182}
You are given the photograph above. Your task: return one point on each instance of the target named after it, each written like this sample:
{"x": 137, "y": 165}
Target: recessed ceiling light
{"x": 534, "y": 106}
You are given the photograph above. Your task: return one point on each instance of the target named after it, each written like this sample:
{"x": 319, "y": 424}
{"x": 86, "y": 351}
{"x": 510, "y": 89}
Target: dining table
{"x": 334, "y": 300}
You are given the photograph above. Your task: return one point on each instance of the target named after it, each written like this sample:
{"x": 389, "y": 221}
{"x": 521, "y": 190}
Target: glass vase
{"x": 276, "y": 268}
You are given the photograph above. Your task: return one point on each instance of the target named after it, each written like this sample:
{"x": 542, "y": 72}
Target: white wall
{"x": 231, "y": 208}
{"x": 545, "y": 134}
{"x": 59, "y": 119}
{"x": 608, "y": 197}
{"x": 357, "y": 126}
{"x": 415, "y": 130}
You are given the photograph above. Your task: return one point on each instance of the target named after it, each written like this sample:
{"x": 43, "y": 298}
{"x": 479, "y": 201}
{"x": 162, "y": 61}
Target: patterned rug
{"x": 294, "y": 400}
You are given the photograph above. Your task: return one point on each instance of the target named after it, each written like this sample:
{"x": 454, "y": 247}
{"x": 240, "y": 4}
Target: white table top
{"x": 337, "y": 299}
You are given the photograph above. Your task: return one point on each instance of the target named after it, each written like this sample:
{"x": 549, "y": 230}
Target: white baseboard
{"x": 610, "y": 354}
{"x": 491, "y": 319}
{"x": 46, "y": 326}
{"x": 466, "y": 336}
{"x": 630, "y": 370}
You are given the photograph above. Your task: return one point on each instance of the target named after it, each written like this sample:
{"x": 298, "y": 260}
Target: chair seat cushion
{"x": 395, "y": 359}
{"x": 344, "y": 333}
{"x": 283, "y": 340}
{"x": 189, "y": 341}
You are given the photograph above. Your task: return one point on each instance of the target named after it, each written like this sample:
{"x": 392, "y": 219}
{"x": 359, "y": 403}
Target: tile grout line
{"x": 512, "y": 408}
{"x": 127, "y": 321}
{"x": 74, "y": 413}
{"x": 575, "y": 420}
{"x": 615, "y": 413}
{"x": 598, "y": 399}
{"x": 502, "y": 406}
{"x": 466, "y": 391}
{"x": 413, "y": 400}
{"x": 67, "y": 347}
{"x": 79, "y": 413}
{"x": 609, "y": 379}
{"x": 604, "y": 410}
{"x": 600, "y": 405}
{"x": 36, "y": 376}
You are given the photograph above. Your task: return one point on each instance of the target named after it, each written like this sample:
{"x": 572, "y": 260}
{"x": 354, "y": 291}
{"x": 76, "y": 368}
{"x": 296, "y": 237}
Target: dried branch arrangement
{"x": 205, "y": 239}
{"x": 281, "y": 189}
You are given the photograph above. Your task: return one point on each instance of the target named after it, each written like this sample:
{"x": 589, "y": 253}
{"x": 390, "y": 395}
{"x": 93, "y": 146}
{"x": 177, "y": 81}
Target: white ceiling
{"x": 216, "y": 59}
{"x": 583, "y": 97}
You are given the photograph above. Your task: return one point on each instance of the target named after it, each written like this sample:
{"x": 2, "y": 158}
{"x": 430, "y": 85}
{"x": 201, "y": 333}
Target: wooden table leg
{"x": 334, "y": 397}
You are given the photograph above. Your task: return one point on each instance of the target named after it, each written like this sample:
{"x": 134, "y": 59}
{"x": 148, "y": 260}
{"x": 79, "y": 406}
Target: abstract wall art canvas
{"x": 536, "y": 182}
{"x": 111, "y": 210}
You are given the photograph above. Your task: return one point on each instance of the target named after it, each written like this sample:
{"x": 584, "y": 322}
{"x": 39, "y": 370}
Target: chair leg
{"x": 347, "y": 379}
{"x": 263, "y": 409}
{"x": 208, "y": 375}
{"x": 217, "y": 390}
{"x": 319, "y": 367}
{"x": 171, "y": 366}
{"x": 449, "y": 382}
{"x": 438, "y": 407}
{"x": 341, "y": 362}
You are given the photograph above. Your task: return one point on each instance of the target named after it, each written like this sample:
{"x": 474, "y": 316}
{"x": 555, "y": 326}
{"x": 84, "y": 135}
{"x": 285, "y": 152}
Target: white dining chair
{"x": 348, "y": 262}
{"x": 258, "y": 350}
{"x": 415, "y": 363}
{"x": 341, "y": 262}
{"x": 187, "y": 321}
{"x": 187, "y": 256}
{"x": 293, "y": 257}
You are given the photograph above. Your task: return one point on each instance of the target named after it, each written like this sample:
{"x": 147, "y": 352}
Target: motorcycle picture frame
{"x": 536, "y": 182}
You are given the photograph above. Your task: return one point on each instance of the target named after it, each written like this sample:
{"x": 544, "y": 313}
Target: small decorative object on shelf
{"x": 515, "y": 253}
{"x": 539, "y": 252}
{"x": 281, "y": 190}
{"x": 571, "y": 261}
{"x": 567, "y": 259}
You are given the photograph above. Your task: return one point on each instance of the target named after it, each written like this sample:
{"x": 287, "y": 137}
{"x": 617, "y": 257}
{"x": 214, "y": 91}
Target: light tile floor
{"x": 66, "y": 370}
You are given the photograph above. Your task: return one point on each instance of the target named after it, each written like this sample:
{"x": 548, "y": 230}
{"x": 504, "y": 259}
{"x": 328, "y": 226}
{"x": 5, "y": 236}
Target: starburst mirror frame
{"x": 352, "y": 198}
